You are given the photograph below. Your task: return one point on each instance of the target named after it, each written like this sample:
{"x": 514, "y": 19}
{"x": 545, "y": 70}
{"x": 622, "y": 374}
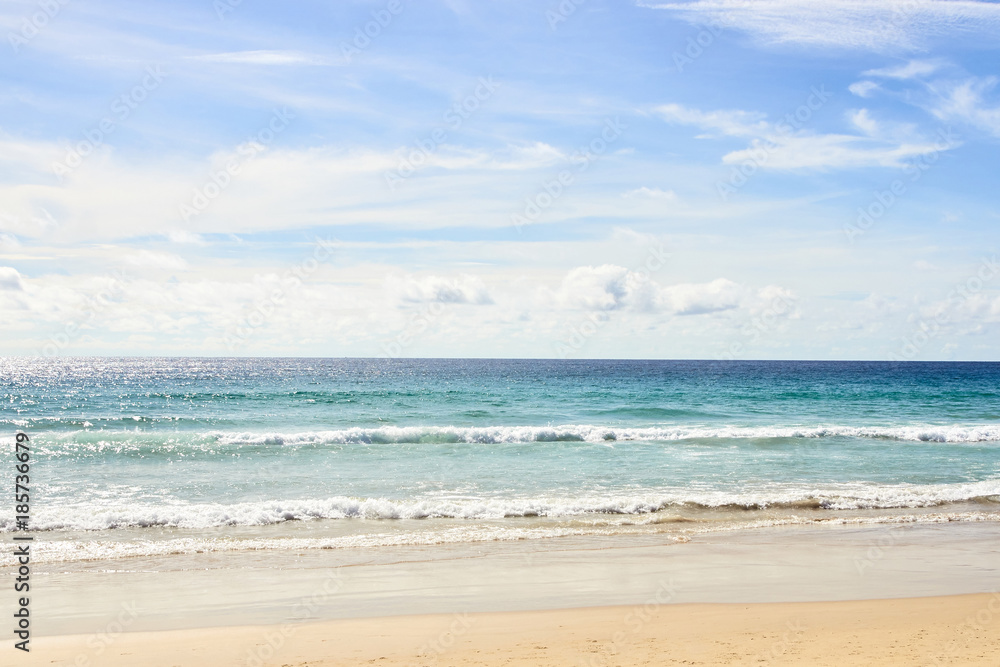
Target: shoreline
{"x": 767, "y": 565}
{"x": 959, "y": 629}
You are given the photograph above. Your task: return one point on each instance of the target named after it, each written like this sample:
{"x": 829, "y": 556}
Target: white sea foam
{"x": 83, "y": 550}
{"x": 100, "y": 441}
{"x": 69, "y": 551}
{"x": 854, "y": 496}
{"x": 590, "y": 433}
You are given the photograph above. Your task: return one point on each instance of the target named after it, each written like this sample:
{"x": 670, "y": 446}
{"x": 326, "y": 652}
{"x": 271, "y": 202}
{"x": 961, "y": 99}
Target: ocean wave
{"x": 678, "y": 532}
{"x": 604, "y": 434}
{"x": 88, "y": 550}
{"x": 163, "y": 441}
{"x": 127, "y": 514}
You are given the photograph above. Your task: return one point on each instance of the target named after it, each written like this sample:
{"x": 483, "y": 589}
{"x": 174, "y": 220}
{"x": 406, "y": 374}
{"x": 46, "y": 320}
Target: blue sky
{"x": 710, "y": 179}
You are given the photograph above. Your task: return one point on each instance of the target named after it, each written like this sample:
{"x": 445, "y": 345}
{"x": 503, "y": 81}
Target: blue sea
{"x": 152, "y": 456}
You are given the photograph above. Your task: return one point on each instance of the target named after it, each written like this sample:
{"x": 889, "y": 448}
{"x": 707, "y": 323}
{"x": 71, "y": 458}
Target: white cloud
{"x": 609, "y": 287}
{"x": 651, "y": 193}
{"x": 971, "y": 312}
{"x": 833, "y": 151}
{"x": 951, "y": 99}
{"x": 731, "y": 122}
{"x": 695, "y": 299}
{"x": 262, "y": 58}
{"x": 509, "y": 158}
{"x": 151, "y": 259}
{"x": 777, "y": 146}
{"x": 965, "y": 102}
{"x": 10, "y": 279}
{"x": 9, "y": 242}
{"x": 911, "y": 70}
{"x": 185, "y": 236}
{"x": 862, "y": 120}
{"x": 863, "y": 88}
{"x": 110, "y": 197}
{"x": 605, "y": 287}
{"x": 428, "y": 289}
{"x": 850, "y": 24}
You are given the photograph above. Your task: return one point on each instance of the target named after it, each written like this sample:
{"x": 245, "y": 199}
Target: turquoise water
{"x": 493, "y": 447}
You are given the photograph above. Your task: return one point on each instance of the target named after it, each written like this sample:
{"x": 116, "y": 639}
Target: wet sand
{"x": 882, "y": 594}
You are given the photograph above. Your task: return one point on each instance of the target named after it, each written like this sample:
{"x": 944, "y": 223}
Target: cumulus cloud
{"x": 427, "y": 289}
{"x": 10, "y": 279}
{"x": 605, "y": 287}
{"x": 698, "y": 299}
{"x": 611, "y": 288}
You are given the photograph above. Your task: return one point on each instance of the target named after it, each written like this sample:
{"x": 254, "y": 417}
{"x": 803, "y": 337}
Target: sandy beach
{"x": 953, "y": 630}
{"x": 824, "y": 595}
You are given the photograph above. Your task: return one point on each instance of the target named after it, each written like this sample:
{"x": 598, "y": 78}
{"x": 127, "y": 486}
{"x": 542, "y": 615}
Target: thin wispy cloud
{"x": 263, "y": 58}
{"x": 863, "y": 88}
{"x": 912, "y": 69}
{"x": 880, "y": 27}
{"x": 969, "y": 101}
{"x": 779, "y": 146}
{"x": 651, "y": 193}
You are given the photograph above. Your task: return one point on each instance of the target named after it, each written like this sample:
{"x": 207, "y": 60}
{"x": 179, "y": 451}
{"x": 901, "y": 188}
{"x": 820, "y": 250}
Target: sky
{"x": 710, "y": 179}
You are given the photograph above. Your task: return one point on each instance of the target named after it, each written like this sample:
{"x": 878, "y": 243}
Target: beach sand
{"x": 822, "y": 595}
{"x": 952, "y": 630}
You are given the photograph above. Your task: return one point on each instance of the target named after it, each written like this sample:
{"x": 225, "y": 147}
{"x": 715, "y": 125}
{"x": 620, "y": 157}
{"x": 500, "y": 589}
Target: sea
{"x": 145, "y": 457}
